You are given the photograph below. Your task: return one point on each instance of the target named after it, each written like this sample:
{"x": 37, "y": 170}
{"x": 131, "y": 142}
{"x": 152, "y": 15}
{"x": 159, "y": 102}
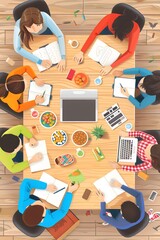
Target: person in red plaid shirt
{"x": 148, "y": 152}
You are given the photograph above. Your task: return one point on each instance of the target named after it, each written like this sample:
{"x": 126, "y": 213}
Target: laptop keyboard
{"x": 126, "y": 149}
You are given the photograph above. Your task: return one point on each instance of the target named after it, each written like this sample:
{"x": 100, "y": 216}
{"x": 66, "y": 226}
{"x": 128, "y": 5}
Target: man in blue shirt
{"x": 130, "y": 214}
{"x": 34, "y": 211}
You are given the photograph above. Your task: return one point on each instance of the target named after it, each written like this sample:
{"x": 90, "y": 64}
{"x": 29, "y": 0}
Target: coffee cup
{"x": 73, "y": 43}
{"x": 80, "y": 152}
{"x": 128, "y": 127}
{"x": 34, "y": 113}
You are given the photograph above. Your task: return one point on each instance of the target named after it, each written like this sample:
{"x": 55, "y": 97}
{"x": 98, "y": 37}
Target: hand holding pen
{"x": 124, "y": 91}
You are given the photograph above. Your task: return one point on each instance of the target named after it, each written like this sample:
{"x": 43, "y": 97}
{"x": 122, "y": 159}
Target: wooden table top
{"x": 91, "y": 169}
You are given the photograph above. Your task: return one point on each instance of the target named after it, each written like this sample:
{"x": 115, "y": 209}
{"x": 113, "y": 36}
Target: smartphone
{"x": 86, "y": 194}
{"x": 70, "y": 74}
{"x": 153, "y": 196}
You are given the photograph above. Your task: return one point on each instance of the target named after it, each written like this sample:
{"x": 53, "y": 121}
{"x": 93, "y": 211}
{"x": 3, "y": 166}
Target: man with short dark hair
{"x": 34, "y": 211}
{"x": 130, "y": 214}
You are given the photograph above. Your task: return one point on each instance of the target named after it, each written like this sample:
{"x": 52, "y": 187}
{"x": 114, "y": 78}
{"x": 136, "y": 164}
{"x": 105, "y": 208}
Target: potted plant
{"x": 98, "y": 132}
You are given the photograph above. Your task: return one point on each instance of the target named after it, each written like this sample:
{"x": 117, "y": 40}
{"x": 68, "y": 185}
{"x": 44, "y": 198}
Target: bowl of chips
{"x": 59, "y": 138}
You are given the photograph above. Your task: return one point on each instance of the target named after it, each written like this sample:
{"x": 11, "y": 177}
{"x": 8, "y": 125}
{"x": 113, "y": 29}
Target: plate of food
{"x": 81, "y": 79}
{"x": 48, "y": 119}
{"x": 59, "y": 138}
{"x": 80, "y": 138}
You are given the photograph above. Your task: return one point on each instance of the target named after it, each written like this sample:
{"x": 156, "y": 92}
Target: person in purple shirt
{"x": 130, "y": 213}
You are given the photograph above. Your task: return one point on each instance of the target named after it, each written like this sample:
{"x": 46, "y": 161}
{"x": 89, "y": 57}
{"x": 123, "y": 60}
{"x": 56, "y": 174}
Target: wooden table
{"x": 88, "y": 165}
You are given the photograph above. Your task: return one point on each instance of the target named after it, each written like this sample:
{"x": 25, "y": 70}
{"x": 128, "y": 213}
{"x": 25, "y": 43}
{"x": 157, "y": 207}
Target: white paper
{"x": 44, "y": 163}
{"x": 102, "y": 53}
{"x": 128, "y": 83}
{"x": 35, "y": 90}
{"x": 103, "y": 184}
{"x": 54, "y": 199}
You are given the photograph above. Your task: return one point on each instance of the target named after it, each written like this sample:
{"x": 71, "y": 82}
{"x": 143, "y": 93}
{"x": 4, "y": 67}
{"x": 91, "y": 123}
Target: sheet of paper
{"x": 54, "y": 52}
{"x": 44, "y": 163}
{"x": 35, "y": 90}
{"x": 128, "y": 83}
{"x": 41, "y": 53}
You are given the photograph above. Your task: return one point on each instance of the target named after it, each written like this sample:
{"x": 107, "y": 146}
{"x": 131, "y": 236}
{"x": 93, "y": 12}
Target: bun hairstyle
{"x": 155, "y": 156}
{"x": 9, "y": 142}
{"x": 14, "y": 84}
{"x": 29, "y": 16}
{"x": 123, "y": 24}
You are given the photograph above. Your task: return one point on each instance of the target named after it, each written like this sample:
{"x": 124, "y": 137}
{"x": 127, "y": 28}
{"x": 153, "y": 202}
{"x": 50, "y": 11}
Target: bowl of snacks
{"x": 81, "y": 80}
{"x": 59, "y": 138}
{"x": 48, "y": 119}
{"x": 79, "y": 138}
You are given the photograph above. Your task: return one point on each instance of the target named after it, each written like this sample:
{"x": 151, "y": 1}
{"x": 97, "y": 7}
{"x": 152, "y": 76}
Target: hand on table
{"x": 78, "y": 58}
{"x": 105, "y": 70}
{"x": 115, "y": 183}
{"x": 51, "y": 188}
{"x": 61, "y": 65}
{"x": 73, "y": 188}
{"x": 125, "y": 92}
{"x": 39, "y": 99}
{"x": 46, "y": 63}
{"x": 101, "y": 196}
{"x": 37, "y": 157}
{"x": 117, "y": 73}
{"x": 33, "y": 142}
{"x": 39, "y": 82}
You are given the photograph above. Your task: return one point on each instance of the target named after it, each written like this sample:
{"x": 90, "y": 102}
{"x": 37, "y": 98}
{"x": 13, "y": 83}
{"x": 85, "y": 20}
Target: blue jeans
{"x": 19, "y": 156}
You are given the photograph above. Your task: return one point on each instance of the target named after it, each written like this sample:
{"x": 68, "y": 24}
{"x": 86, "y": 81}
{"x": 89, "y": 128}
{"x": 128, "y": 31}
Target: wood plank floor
{"x": 147, "y": 56}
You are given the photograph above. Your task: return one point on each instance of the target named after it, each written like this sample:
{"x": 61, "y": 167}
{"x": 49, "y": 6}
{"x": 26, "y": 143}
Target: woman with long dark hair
{"x": 34, "y": 22}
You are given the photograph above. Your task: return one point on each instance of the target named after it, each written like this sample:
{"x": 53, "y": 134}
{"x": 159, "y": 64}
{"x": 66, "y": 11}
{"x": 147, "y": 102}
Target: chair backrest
{"x": 40, "y": 4}
{"x": 121, "y": 8}
{"x": 130, "y": 232}
{"x": 29, "y": 231}
{"x": 2, "y": 130}
{"x": 3, "y": 77}
{"x": 156, "y": 72}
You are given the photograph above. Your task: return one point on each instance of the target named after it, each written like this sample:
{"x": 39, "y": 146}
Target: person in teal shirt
{"x": 34, "y": 211}
{"x": 33, "y": 22}
{"x": 148, "y": 83}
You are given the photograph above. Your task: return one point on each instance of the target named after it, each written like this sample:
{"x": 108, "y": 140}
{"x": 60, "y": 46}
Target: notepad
{"x": 54, "y": 199}
{"x": 128, "y": 83}
{"x": 103, "y": 184}
{"x": 102, "y": 53}
{"x": 49, "y": 52}
{"x": 44, "y": 163}
{"x": 35, "y": 90}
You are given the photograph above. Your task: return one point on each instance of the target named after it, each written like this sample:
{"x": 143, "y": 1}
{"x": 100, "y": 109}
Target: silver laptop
{"x": 127, "y": 150}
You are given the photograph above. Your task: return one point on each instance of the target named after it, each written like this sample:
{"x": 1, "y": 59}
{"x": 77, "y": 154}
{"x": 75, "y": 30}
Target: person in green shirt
{"x": 10, "y": 146}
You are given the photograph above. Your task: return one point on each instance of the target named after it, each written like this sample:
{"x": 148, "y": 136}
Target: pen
{"x": 59, "y": 190}
{"x": 43, "y": 93}
{"x": 122, "y": 87}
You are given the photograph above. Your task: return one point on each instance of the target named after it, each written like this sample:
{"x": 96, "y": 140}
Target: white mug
{"x": 73, "y": 43}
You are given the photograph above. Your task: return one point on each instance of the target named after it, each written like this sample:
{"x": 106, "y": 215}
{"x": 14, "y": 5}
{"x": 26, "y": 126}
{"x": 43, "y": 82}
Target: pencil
{"x": 43, "y": 93}
{"x": 59, "y": 190}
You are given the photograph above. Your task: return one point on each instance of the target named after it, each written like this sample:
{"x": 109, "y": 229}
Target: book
{"x": 102, "y": 53}
{"x": 103, "y": 184}
{"x": 51, "y": 197}
{"x": 128, "y": 83}
{"x": 49, "y": 52}
{"x": 35, "y": 90}
{"x": 44, "y": 163}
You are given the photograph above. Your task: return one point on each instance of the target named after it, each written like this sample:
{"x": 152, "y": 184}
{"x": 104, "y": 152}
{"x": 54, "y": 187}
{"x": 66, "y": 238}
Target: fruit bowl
{"x": 79, "y": 138}
{"x": 48, "y": 119}
{"x": 59, "y": 138}
{"x": 81, "y": 80}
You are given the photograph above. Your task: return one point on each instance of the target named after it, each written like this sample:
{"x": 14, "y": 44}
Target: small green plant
{"x": 98, "y": 132}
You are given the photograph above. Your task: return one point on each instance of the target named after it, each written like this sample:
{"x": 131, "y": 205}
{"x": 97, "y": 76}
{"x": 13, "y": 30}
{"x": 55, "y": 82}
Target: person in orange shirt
{"x": 12, "y": 90}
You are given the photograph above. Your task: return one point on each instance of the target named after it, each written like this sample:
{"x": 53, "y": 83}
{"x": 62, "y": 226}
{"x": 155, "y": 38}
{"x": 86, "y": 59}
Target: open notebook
{"x": 128, "y": 83}
{"x": 51, "y": 197}
{"x": 102, "y": 53}
{"x": 103, "y": 184}
{"x": 44, "y": 163}
{"x": 49, "y": 52}
{"x": 35, "y": 90}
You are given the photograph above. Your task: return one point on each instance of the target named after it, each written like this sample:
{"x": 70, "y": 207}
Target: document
{"x": 128, "y": 83}
{"x": 44, "y": 163}
{"x": 53, "y": 198}
{"x": 44, "y": 91}
{"x": 103, "y": 184}
{"x": 49, "y": 52}
{"x": 102, "y": 53}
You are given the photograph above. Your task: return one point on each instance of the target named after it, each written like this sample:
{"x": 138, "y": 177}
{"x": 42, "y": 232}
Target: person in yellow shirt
{"x": 12, "y": 90}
